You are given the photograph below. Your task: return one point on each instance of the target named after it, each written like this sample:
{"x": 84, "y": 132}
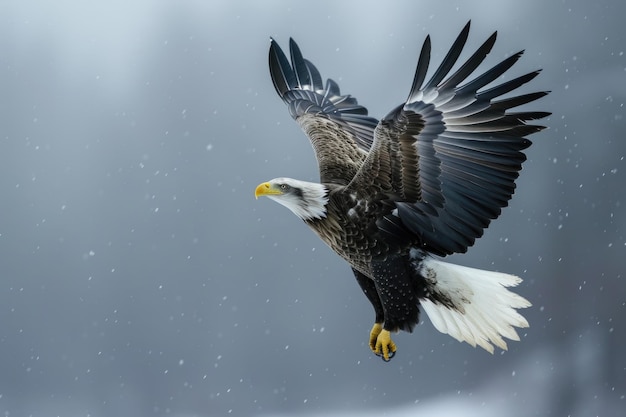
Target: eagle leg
{"x": 369, "y": 289}
{"x": 380, "y": 339}
{"x": 381, "y": 343}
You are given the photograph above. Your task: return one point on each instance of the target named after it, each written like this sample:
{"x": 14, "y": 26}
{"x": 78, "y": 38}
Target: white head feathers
{"x": 306, "y": 200}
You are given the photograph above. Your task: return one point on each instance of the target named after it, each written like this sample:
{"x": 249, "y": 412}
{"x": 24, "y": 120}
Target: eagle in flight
{"x": 397, "y": 194}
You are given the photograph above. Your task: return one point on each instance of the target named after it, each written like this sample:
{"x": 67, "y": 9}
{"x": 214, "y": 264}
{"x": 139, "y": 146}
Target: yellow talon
{"x": 381, "y": 343}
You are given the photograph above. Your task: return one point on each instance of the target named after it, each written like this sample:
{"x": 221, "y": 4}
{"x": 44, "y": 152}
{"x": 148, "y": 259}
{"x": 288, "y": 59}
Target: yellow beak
{"x": 266, "y": 189}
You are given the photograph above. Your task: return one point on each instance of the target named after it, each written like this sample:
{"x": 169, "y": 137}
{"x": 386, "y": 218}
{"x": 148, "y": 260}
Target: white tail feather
{"x": 484, "y": 310}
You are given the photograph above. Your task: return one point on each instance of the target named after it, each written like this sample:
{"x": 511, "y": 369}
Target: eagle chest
{"x": 349, "y": 228}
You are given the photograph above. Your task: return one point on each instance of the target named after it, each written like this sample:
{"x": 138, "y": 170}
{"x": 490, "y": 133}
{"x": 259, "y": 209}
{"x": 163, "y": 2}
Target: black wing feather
{"x": 330, "y": 119}
{"x": 461, "y": 146}
{"x": 470, "y": 65}
{"x": 447, "y": 63}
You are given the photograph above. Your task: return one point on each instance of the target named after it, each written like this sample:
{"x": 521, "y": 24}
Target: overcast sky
{"x": 139, "y": 276}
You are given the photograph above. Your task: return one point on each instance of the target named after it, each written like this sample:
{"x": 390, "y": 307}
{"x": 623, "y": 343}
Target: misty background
{"x": 139, "y": 276}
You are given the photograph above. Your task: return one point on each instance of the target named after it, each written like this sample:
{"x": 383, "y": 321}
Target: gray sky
{"x": 140, "y": 277}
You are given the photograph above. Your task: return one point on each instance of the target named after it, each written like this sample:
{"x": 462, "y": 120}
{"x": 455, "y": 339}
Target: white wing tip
{"x": 484, "y": 311}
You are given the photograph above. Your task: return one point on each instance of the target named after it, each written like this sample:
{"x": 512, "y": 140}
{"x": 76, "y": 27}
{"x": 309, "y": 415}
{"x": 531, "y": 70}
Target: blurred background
{"x": 139, "y": 276}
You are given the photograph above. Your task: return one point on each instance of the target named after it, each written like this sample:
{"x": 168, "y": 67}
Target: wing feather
{"x": 338, "y": 127}
{"x": 447, "y": 63}
{"x": 449, "y": 156}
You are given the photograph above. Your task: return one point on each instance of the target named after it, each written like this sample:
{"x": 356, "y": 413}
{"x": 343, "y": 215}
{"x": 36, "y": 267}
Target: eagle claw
{"x": 381, "y": 343}
{"x": 386, "y": 358}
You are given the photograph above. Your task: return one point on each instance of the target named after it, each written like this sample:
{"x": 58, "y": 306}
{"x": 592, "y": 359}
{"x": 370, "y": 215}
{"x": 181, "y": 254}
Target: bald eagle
{"x": 397, "y": 194}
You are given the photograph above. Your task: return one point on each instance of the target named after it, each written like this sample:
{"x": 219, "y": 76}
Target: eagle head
{"x": 306, "y": 200}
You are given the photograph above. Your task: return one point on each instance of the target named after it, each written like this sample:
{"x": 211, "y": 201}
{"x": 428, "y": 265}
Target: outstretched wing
{"x": 339, "y": 128}
{"x": 450, "y": 155}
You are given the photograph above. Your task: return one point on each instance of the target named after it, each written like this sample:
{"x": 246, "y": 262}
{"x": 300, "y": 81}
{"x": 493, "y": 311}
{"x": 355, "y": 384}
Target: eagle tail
{"x": 472, "y": 305}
